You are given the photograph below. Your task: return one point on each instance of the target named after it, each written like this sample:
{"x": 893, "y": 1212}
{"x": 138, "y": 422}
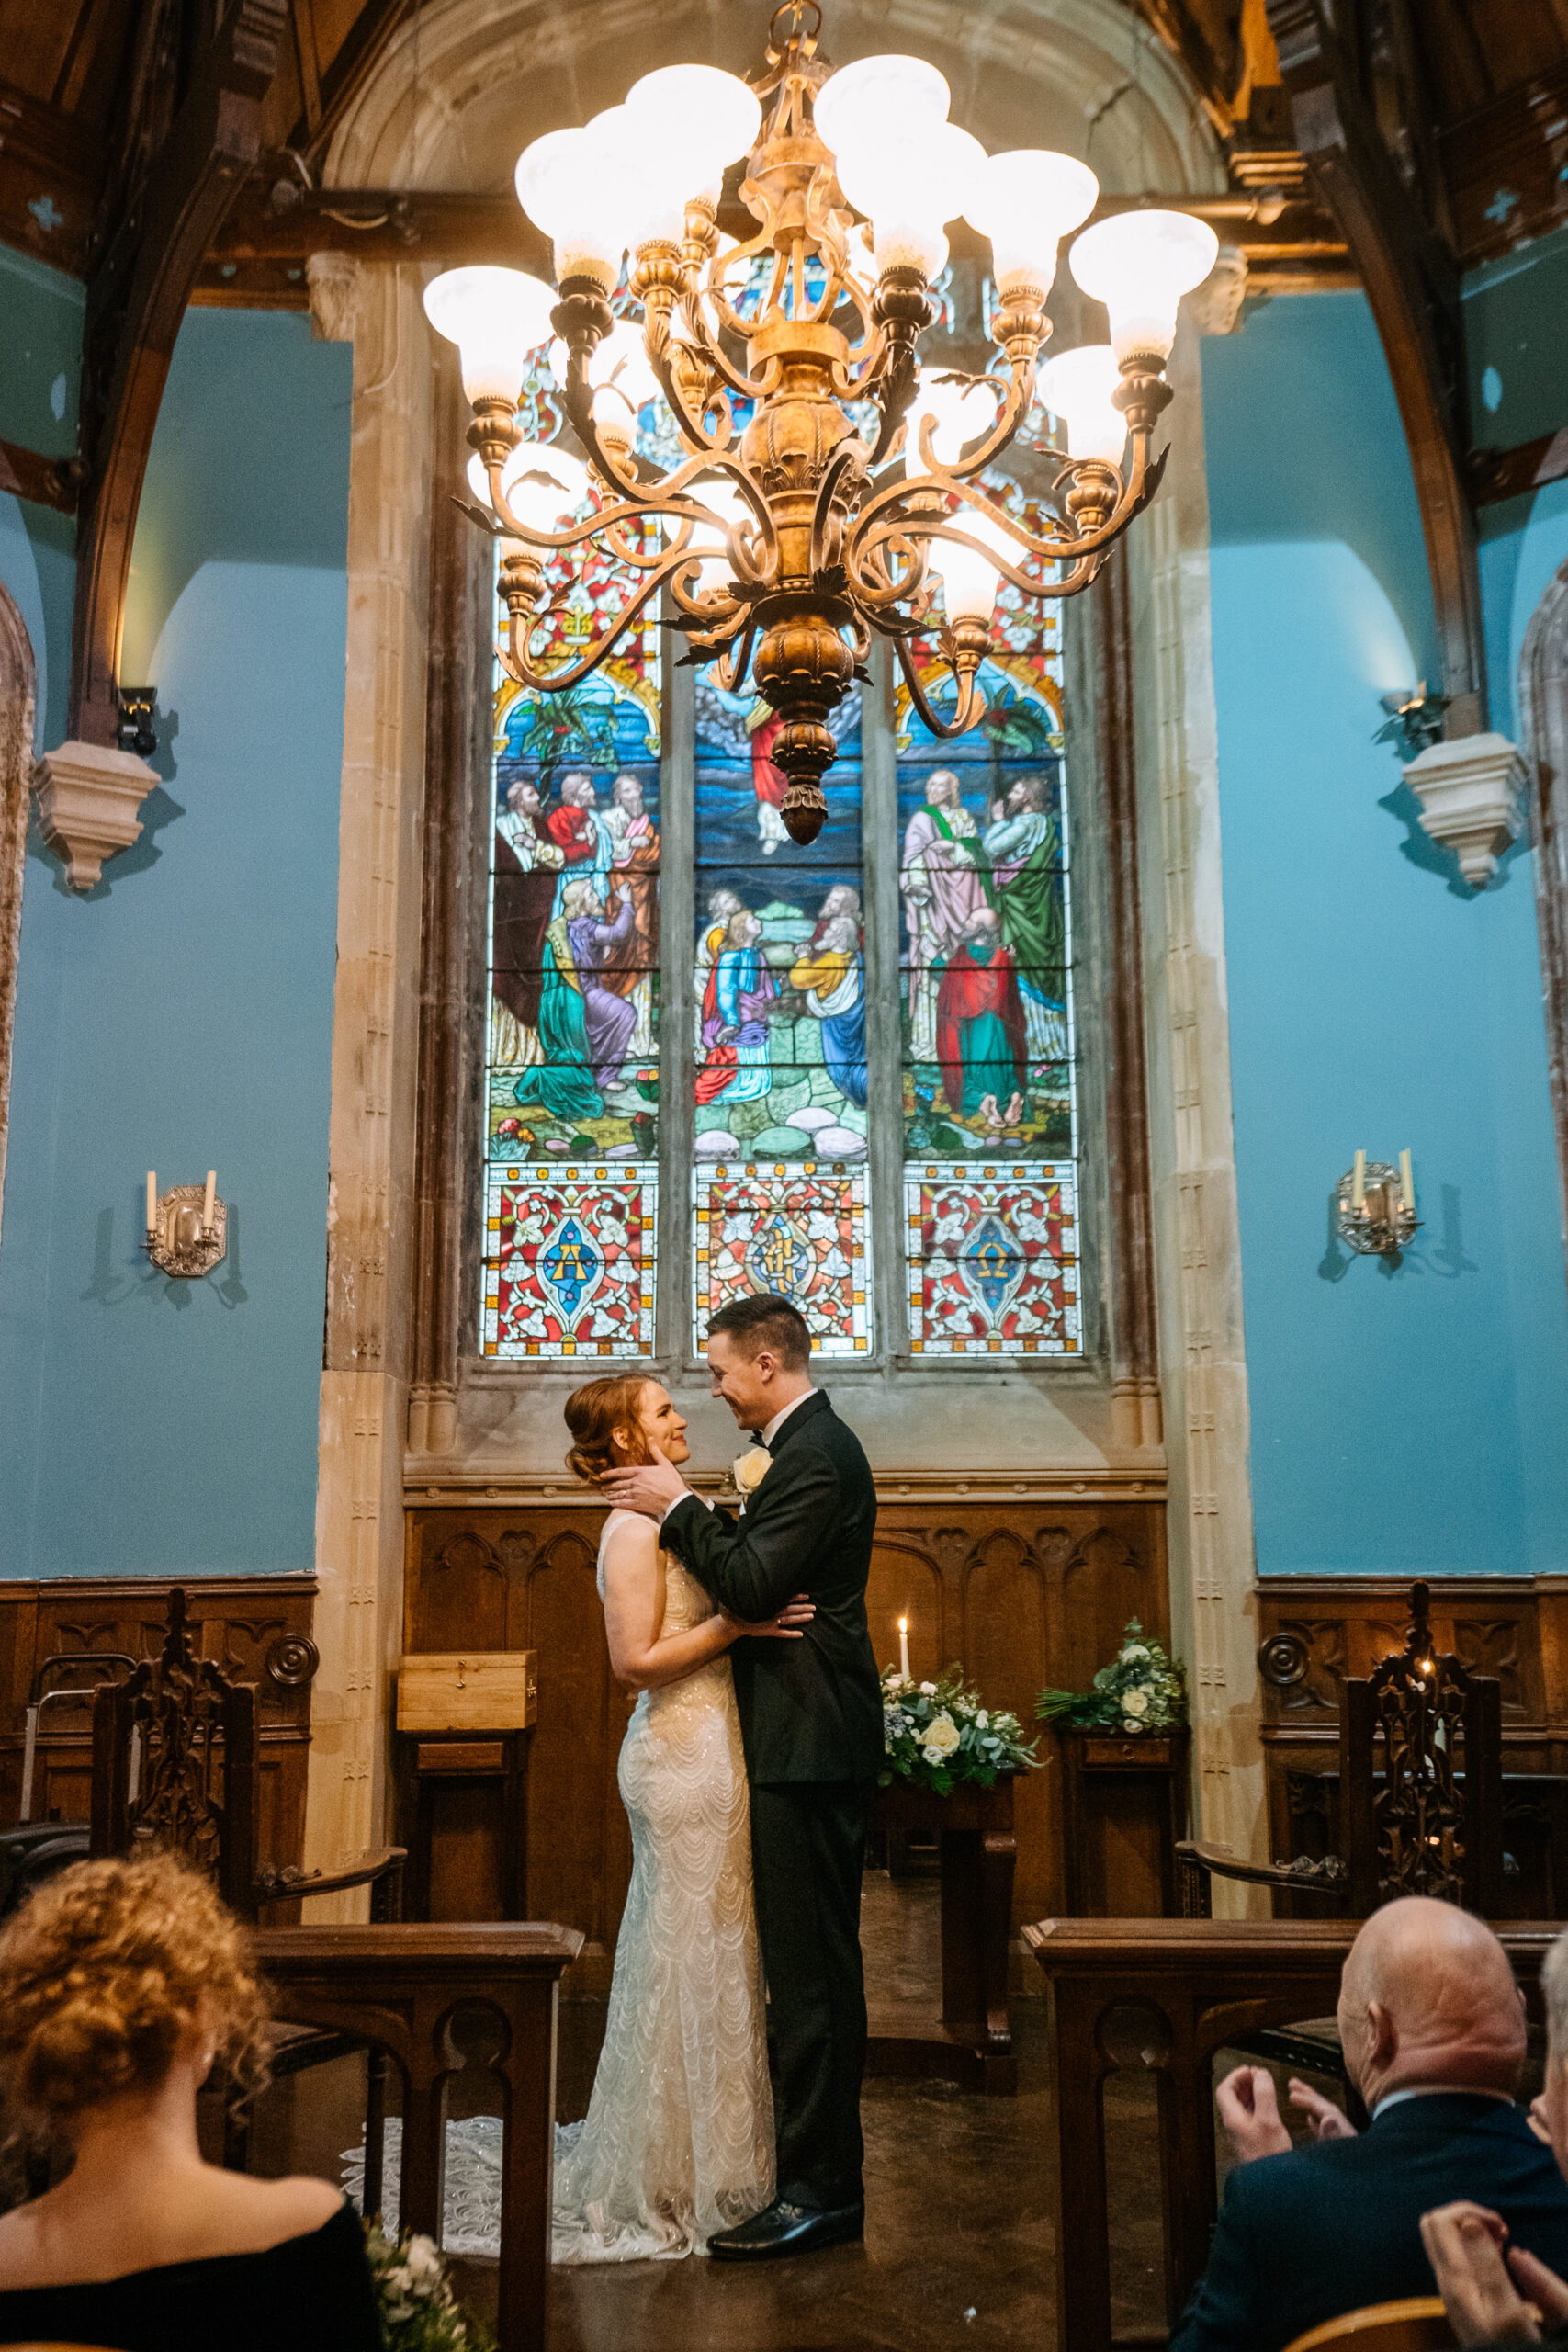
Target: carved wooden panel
{"x": 1314, "y": 1631}
{"x": 1022, "y": 1595}
{"x": 257, "y": 1628}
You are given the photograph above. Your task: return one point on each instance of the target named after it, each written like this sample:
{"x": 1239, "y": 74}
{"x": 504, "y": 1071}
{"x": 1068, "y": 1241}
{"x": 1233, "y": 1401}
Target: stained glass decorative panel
{"x": 987, "y": 1005}
{"x": 570, "y": 1260}
{"x": 572, "y": 1067}
{"x": 993, "y": 1258}
{"x": 779, "y": 1016}
{"x": 799, "y": 1231}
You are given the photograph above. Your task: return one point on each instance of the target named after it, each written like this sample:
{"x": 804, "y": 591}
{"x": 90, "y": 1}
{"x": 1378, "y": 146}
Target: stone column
{"x": 374, "y": 1039}
{"x": 1193, "y": 1149}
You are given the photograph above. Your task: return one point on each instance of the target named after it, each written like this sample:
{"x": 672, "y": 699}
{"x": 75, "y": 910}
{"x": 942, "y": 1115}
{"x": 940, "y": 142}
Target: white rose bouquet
{"x": 1141, "y": 1689}
{"x": 419, "y": 2311}
{"x": 938, "y": 1734}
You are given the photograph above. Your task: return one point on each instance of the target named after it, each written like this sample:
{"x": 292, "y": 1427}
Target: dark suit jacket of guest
{"x": 809, "y": 1709}
{"x": 1336, "y": 2224}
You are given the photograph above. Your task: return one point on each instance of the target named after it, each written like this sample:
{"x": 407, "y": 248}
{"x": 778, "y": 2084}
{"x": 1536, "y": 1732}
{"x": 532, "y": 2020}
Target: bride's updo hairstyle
{"x": 594, "y": 1414}
{"x": 102, "y": 1973}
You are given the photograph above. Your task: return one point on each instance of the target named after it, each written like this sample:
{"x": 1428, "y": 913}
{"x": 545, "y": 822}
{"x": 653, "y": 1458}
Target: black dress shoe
{"x": 782, "y": 2229}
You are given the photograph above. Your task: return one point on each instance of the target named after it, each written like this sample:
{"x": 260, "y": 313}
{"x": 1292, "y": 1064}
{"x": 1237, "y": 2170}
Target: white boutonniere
{"x": 748, "y": 1471}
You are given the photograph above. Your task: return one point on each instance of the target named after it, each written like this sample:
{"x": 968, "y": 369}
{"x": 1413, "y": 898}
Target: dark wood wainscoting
{"x": 1026, "y": 1592}
{"x": 257, "y": 1628}
{"x": 1314, "y": 1631}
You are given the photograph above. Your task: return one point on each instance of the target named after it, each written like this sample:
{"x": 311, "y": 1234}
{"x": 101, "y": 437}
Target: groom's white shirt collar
{"x": 772, "y": 1428}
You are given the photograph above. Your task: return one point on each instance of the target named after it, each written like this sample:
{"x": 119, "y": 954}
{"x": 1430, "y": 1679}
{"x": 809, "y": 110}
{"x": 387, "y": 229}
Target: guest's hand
{"x": 1249, "y": 2110}
{"x": 1540, "y": 2286}
{"x": 1464, "y": 2245}
{"x": 649, "y": 1486}
{"x": 1328, "y": 2122}
{"x": 1537, "y": 2121}
{"x": 785, "y": 1628}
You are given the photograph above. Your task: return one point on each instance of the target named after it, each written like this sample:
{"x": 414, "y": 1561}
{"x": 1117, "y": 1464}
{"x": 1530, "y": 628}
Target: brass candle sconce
{"x": 1376, "y": 1206}
{"x": 187, "y": 1228}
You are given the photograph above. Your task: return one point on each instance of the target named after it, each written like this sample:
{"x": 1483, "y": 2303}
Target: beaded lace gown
{"x": 678, "y": 2141}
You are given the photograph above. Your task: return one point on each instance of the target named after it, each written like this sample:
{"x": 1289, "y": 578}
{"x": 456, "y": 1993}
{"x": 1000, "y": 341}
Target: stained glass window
{"x": 990, "y": 1122}
{"x": 779, "y": 1149}
{"x": 756, "y": 1172}
{"x": 572, "y": 1070}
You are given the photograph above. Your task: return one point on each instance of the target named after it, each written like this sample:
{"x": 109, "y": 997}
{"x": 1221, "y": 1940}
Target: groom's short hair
{"x": 762, "y": 1320}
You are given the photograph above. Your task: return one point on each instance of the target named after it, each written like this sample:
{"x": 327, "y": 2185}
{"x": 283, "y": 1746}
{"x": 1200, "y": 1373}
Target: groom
{"x": 811, "y": 1722}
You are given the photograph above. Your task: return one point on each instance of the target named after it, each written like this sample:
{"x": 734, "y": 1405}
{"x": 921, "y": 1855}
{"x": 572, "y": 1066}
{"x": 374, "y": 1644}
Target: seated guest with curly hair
{"x": 122, "y": 1984}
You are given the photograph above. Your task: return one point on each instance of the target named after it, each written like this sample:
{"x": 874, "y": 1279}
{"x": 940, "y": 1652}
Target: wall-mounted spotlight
{"x": 187, "y": 1228}
{"x": 1377, "y": 1206}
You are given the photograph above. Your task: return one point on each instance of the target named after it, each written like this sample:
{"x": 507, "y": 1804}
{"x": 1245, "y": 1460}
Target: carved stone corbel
{"x": 89, "y": 798}
{"x": 1472, "y": 800}
{"x": 334, "y": 282}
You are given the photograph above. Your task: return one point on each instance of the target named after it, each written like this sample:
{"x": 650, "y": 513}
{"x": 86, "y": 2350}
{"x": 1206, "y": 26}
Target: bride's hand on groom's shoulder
{"x": 785, "y": 1627}
{"x": 647, "y": 1486}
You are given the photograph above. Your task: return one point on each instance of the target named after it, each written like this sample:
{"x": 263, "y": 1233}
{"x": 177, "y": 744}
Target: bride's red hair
{"x": 594, "y": 1414}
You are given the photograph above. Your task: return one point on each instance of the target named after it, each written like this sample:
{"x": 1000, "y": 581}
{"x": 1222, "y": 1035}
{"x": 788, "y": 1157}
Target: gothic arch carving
{"x": 17, "y": 687}
{"x": 1543, "y": 728}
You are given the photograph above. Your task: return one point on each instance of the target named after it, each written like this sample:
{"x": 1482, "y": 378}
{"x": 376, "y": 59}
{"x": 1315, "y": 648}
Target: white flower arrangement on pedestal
{"x": 1141, "y": 1689}
{"x": 938, "y": 1735}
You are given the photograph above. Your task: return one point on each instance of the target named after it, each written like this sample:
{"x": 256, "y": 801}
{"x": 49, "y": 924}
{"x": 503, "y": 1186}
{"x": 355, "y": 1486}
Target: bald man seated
{"x": 1432, "y": 2027}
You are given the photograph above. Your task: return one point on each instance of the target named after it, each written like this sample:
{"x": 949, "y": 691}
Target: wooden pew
{"x": 396, "y": 1986}
{"x": 1196, "y": 1984}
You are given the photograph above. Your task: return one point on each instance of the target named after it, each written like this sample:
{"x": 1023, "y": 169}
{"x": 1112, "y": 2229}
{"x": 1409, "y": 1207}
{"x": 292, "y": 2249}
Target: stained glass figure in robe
{"x": 778, "y": 1012}
{"x": 572, "y": 1073}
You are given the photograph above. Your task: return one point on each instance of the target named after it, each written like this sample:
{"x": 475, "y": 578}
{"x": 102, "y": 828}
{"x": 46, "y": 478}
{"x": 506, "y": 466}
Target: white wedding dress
{"x": 678, "y": 2141}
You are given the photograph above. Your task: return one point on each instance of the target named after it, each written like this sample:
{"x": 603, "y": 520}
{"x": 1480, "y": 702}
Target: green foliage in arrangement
{"x": 1141, "y": 1689}
{"x": 419, "y": 2311}
{"x": 938, "y": 1734}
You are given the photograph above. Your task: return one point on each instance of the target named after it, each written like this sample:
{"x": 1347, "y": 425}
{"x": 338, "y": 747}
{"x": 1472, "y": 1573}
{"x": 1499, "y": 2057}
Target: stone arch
{"x": 442, "y": 110}
{"x": 17, "y": 689}
{"x": 1543, "y": 729}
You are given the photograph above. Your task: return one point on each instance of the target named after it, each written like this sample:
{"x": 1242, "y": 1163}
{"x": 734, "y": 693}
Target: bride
{"x": 678, "y": 2141}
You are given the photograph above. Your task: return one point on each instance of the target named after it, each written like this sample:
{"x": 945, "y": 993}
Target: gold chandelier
{"x": 785, "y": 544}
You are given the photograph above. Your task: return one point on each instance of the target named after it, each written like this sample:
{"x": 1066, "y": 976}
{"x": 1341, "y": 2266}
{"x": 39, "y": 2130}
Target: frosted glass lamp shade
{"x": 962, "y": 412}
{"x": 1077, "y": 385}
{"x": 968, "y": 581}
{"x": 911, "y": 182}
{"x": 496, "y": 318}
{"x": 707, "y": 116}
{"x": 568, "y": 190}
{"x": 540, "y": 503}
{"x": 1140, "y": 265}
{"x": 1026, "y": 202}
{"x": 877, "y": 98}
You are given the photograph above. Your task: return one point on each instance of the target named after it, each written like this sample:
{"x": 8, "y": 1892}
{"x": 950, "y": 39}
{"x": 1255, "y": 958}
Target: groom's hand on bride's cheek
{"x": 649, "y": 1487}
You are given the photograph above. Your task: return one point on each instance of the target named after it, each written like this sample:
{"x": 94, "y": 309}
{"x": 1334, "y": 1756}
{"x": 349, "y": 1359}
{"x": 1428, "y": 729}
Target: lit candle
{"x": 1358, "y": 1183}
{"x": 904, "y": 1647}
{"x": 208, "y": 1200}
{"x": 1407, "y": 1181}
{"x": 152, "y": 1200}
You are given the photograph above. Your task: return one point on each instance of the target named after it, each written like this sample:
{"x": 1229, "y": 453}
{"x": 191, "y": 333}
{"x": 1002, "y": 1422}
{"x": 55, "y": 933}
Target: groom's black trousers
{"x": 807, "y": 1854}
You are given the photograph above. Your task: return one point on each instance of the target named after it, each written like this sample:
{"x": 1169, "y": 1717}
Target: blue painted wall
{"x": 180, "y": 1015}
{"x": 1408, "y": 1421}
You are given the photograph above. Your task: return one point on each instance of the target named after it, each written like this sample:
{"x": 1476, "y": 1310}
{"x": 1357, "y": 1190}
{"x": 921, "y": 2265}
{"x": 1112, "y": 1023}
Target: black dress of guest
{"x": 310, "y": 2294}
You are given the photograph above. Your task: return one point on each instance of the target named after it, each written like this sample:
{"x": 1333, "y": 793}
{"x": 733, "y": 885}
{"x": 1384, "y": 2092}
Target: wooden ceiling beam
{"x": 356, "y": 57}
{"x": 49, "y": 176}
{"x": 136, "y": 299}
{"x": 1413, "y": 287}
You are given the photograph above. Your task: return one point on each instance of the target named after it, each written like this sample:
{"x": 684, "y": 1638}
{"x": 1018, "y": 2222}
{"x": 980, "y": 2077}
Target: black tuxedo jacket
{"x": 809, "y": 1709}
{"x": 1336, "y": 2224}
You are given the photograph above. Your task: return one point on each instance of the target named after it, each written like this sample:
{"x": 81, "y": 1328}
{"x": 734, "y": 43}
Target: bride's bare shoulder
{"x": 630, "y": 1540}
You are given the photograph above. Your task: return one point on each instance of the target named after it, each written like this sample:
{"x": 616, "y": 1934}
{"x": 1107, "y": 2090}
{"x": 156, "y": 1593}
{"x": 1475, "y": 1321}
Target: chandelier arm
{"x": 689, "y": 427}
{"x": 731, "y": 666}
{"x": 967, "y": 712}
{"x": 1011, "y": 409}
{"x": 577, "y": 394}
{"x": 1066, "y": 546}
{"x": 845, "y": 456}
{"x": 521, "y": 669}
{"x": 871, "y": 583}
